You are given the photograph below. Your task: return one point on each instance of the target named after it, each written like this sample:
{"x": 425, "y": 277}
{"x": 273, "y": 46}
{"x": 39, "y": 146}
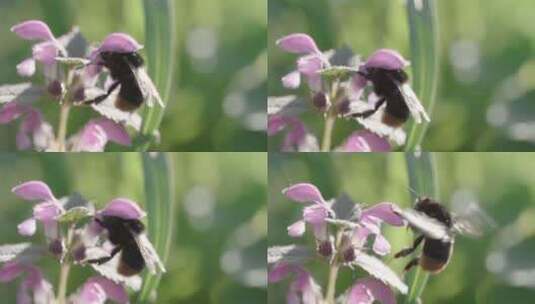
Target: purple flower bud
{"x": 55, "y": 88}
{"x": 325, "y": 248}
{"x": 56, "y": 247}
{"x": 343, "y": 107}
{"x": 78, "y": 253}
{"x": 321, "y": 101}
{"x": 348, "y": 255}
{"x": 79, "y": 94}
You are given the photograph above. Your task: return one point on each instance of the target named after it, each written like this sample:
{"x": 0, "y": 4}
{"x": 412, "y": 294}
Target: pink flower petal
{"x": 358, "y": 83}
{"x": 92, "y": 138}
{"x": 47, "y": 212}
{"x": 28, "y": 227}
{"x": 114, "y": 291}
{"x": 381, "y": 246}
{"x": 292, "y": 80}
{"x": 115, "y": 132}
{"x": 26, "y": 68}
{"x": 10, "y": 112}
{"x": 368, "y": 290}
{"x": 33, "y": 30}
{"x": 297, "y": 229}
{"x": 10, "y": 271}
{"x": 304, "y": 193}
{"x": 298, "y": 43}
{"x": 386, "y": 59}
{"x": 121, "y": 43}
{"x": 45, "y": 52}
{"x": 123, "y": 208}
{"x": 315, "y": 214}
{"x": 91, "y": 293}
{"x": 309, "y": 65}
{"x": 365, "y": 141}
{"x": 385, "y": 212}
{"x": 34, "y": 190}
{"x": 23, "y": 140}
{"x": 276, "y": 123}
{"x": 279, "y": 272}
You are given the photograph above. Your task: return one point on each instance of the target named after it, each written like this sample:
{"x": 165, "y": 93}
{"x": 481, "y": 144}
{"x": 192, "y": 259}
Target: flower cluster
{"x": 346, "y": 235}
{"x": 74, "y": 237}
{"x": 374, "y": 93}
{"x": 73, "y": 74}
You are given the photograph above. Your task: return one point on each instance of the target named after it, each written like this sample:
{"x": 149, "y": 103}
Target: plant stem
{"x": 64, "y": 271}
{"x": 63, "y": 278}
{"x": 62, "y": 128}
{"x": 327, "y": 132}
{"x": 333, "y": 271}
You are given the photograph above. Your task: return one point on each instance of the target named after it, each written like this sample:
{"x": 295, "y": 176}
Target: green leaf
{"x": 423, "y": 180}
{"x": 159, "y": 204}
{"x": 75, "y": 214}
{"x": 423, "y": 25}
{"x": 160, "y": 45}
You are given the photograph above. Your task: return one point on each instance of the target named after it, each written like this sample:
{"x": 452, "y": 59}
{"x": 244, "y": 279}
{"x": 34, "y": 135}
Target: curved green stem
{"x": 423, "y": 180}
{"x": 423, "y": 25}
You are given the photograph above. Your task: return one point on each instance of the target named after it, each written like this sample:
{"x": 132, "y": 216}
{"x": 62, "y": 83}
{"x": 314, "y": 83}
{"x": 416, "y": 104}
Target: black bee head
{"x": 135, "y": 226}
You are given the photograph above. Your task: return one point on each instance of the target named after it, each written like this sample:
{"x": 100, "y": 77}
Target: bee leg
{"x": 414, "y": 262}
{"x": 103, "y": 260}
{"x": 407, "y": 251}
{"x": 369, "y": 113}
{"x": 102, "y": 97}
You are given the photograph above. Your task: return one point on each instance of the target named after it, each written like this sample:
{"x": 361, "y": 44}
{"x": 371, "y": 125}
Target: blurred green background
{"x": 498, "y": 268}
{"x": 218, "y": 98}
{"x": 218, "y": 251}
{"x": 486, "y": 91}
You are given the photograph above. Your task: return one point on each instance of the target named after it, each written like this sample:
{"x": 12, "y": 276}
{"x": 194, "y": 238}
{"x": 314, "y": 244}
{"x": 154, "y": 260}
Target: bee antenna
{"x": 414, "y": 192}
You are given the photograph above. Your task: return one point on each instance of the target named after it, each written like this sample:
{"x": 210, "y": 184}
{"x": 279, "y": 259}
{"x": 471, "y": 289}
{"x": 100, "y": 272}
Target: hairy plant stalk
{"x": 62, "y": 127}
{"x": 327, "y": 132}
{"x": 64, "y": 271}
{"x": 333, "y": 272}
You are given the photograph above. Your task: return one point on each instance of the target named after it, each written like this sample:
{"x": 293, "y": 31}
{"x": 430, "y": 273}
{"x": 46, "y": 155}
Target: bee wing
{"x": 413, "y": 103}
{"x": 472, "y": 221}
{"x": 428, "y": 226}
{"x": 154, "y": 264}
{"x": 150, "y": 93}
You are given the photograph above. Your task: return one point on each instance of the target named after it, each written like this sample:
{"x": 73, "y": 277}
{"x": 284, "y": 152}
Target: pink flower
{"x": 124, "y": 208}
{"x": 368, "y": 291}
{"x": 371, "y": 220}
{"x": 316, "y": 211}
{"x": 308, "y": 65}
{"x": 45, "y": 51}
{"x": 96, "y": 134}
{"x": 33, "y": 130}
{"x": 365, "y": 141}
{"x": 303, "y": 289}
{"x": 115, "y": 42}
{"x": 97, "y": 290}
{"x": 298, "y": 137}
{"x": 46, "y": 211}
{"x": 33, "y": 282}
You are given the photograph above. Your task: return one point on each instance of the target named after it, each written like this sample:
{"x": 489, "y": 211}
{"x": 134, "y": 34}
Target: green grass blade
{"x": 160, "y": 46}
{"x": 423, "y": 180}
{"x": 423, "y": 26}
{"x": 159, "y": 204}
